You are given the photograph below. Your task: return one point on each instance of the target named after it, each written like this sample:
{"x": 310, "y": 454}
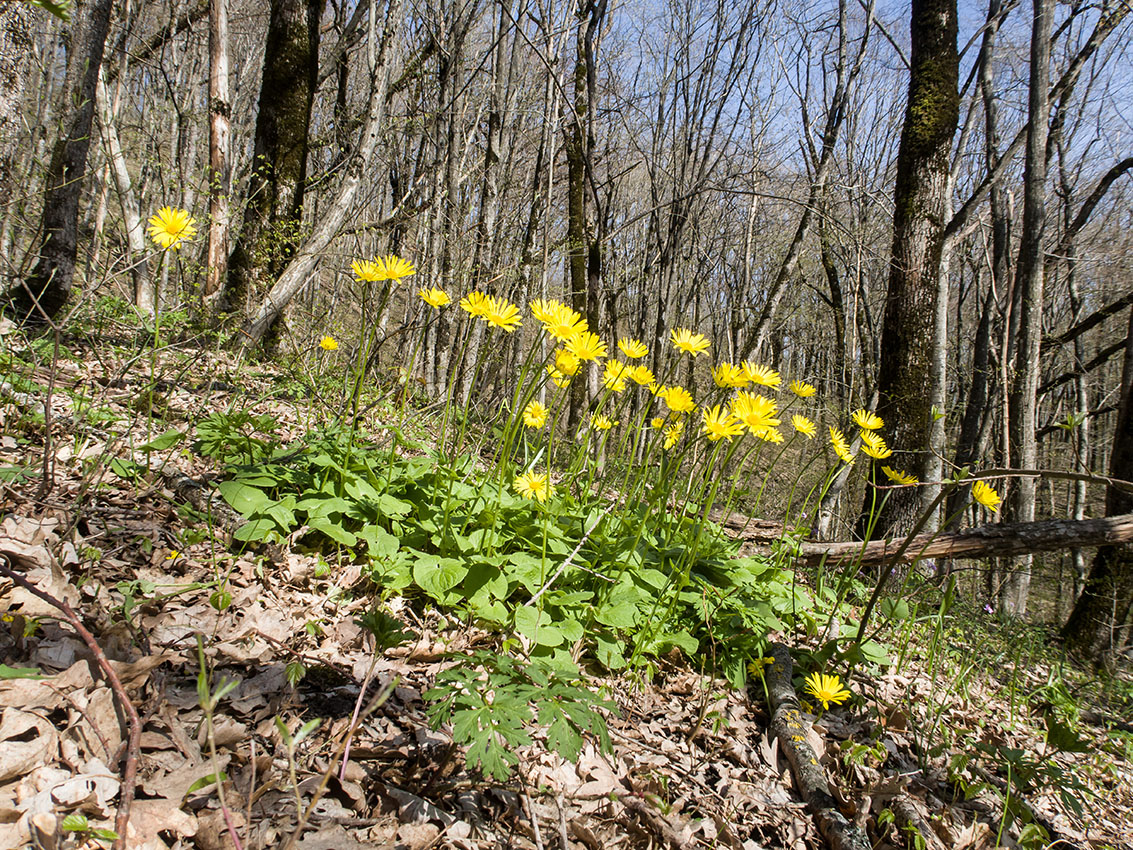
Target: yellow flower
{"x": 802, "y": 389}
{"x": 689, "y": 342}
{"x": 756, "y": 412}
{"x": 678, "y": 399}
{"x": 366, "y": 271}
{"x": 770, "y": 435}
{"x": 587, "y": 346}
{"x": 874, "y": 446}
{"x": 899, "y": 477}
{"x": 632, "y": 348}
{"x": 392, "y": 267}
{"x": 476, "y": 304}
{"x": 534, "y": 415}
{"x": 841, "y": 447}
{"x": 502, "y": 313}
{"x": 826, "y": 689}
{"x": 328, "y": 343}
{"x": 762, "y": 375}
{"x": 720, "y": 424}
{"x": 657, "y": 422}
{"x": 673, "y": 434}
{"x": 986, "y": 496}
{"x": 173, "y": 555}
{"x": 435, "y": 297}
{"x": 566, "y": 362}
{"x": 728, "y": 375}
{"x": 601, "y": 422}
{"x": 559, "y": 321}
{"x": 544, "y": 311}
{"x": 756, "y": 665}
{"x": 866, "y": 420}
{"x": 614, "y": 378}
{"x": 642, "y": 375}
{"x": 534, "y": 485}
{"x": 171, "y": 226}
{"x": 804, "y": 426}
{"x": 557, "y": 377}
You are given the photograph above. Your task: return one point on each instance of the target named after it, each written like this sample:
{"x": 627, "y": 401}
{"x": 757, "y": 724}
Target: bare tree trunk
{"x": 219, "y": 173}
{"x": 45, "y": 290}
{"x": 15, "y": 49}
{"x": 1023, "y": 398}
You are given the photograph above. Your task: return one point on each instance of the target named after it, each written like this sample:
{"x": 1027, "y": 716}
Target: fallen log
{"x": 988, "y": 541}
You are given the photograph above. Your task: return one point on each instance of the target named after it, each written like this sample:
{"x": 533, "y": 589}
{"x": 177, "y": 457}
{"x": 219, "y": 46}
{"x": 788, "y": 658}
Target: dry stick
{"x": 130, "y": 771}
{"x": 788, "y": 726}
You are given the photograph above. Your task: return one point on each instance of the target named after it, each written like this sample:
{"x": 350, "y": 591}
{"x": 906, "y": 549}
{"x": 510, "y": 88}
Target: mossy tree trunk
{"x": 920, "y": 207}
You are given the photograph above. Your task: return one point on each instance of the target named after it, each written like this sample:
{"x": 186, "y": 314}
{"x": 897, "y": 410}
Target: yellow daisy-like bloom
{"x": 874, "y": 446}
{"x": 632, "y": 348}
{"x": 769, "y": 435}
{"x": 534, "y": 485}
{"x": 328, "y": 343}
{"x": 601, "y": 422}
{"x": 756, "y": 412}
{"x": 678, "y": 399}
{"x": 826, "y": 689}
{"x": 642, "y": 376}
{"x": 689, "y": 342}
{"x": 866, "y": 420}
{"x": 557, "y": 377}
{"x": 587, "y": 346}
{"x": 729, "y": 375}
{"x": 804, "y": 426}
{"x": 986, "y": 496}
{"x": 841, "y": 447}
{"x": 171, "y": 226}
{"x": 566, "y": 362}
{"x": 502, "y": 314}
{"x": 719, "y": 424}
{"x": 761, "y": 375}
{"x": 435, "y": 297}
{"x": 657, "y": 422}
{"x": 393, "y": 267}
{"x": 559, "y": 321}
{"x": 476, "y": 304}
{"x": 899, "y": 477}
{"x": 615, "y": 375}
{"x": 544, "y": 311}
{"x": 802, "y": 389}
{"x": 366, "y": 271}
{"x": 673, "y": 434}
{"x": 534, "y": 415}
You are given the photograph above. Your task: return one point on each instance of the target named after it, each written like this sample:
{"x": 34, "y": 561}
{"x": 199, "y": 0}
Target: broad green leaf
{"x": 257, "y": 529}
{"x": 621, "y": 615}
{"x": 244, "y": 500}
{"x": 379, "y": 542}
{"x": 437, "y": 576}
{"x": 163, "y": 441}
{"x": 333, "y": 530}
{"x": 7, "y": 672}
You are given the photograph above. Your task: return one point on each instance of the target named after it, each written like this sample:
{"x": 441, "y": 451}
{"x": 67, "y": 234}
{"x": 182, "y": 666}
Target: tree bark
{"x": 219, "y": 173}
{"x": 15, "y": 49}
{"x": 45, "y": 290}
{"x": 920, "y": 206}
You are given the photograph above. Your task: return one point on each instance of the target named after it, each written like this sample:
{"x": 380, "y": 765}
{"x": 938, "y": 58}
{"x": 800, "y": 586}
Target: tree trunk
{"x": 219, "y": 173}
{"x": 920, "y": 206}
{"x": 1023, "y": 398}
{"x": 15, "y": 49}
{"x": 45, "y": 290}
{"x": 1096, "y": 627}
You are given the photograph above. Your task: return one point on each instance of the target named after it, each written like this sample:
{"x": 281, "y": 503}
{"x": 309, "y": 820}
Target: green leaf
{"x": 379, "y": 542}
{"x": 437, "y": 576}
{"x": 7, "y": 672}
{"x": 163, "y": 441}
{"x": 205, "y": 781}
{"x": 621, "y": 615}
{"x": 244, "y": 499}
{"x": 333, "y": 530}
{"x": 75, "y": 822}
{"x": 257, "y": 529}
{"x": 537, "y": 627}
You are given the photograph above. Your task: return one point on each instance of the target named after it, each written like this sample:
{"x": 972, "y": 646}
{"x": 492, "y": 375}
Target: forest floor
{"x": 931, "y": 752}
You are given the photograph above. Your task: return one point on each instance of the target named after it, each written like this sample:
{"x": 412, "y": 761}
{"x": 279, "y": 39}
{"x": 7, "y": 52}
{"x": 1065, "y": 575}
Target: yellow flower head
{"x": 657, "y": 422}
{"x": 804, "y": 426}
{"x": 673, "y": 434}
{"x": 728, "y": 375}
{"x": 756, "y": 412}
{"x": 841, "y": 447}
{"x": 392, "y": 267}
{"x": 770, "y": 435}
{"x": 826, "y": 689}
{"x": 986, "y": 496}
{"x": 559, "y": 321}
{"x": 534, "y": 415}
{"x": 557, "y": 377}
{"x": 587, "y": 346}
{"x": 502, "y": 314}
{"x": 761, "y": 375}
{"x": 437, "y": 298}
{"x": 614, "y": 378}
{"x": 802, "y": 389}
{"x": 874, "y": 446}
{"x": 642, "y": 375}
{"x": 899, "y": 477}
{"x": 720, "y": 424}
{"x": 366, "y": 271}
{"x": 534, "y": 485}
{"x": 171, "y": 226}
{"x": 678, "y": 399}
{"x": 544, "y": 311}
{"x": 328, "y": 343}
{"x": 476, "y": 304}
{"x": 566, "y": 362}
{"x": 689, "y": 342}
{"x": 632, "y": 348}
{"x": 601, "y": 422}
{"x": 866, "y": 420}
